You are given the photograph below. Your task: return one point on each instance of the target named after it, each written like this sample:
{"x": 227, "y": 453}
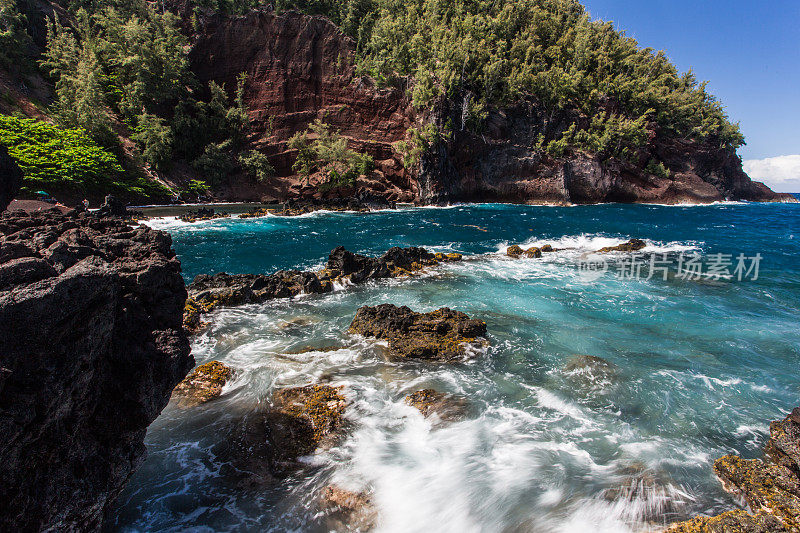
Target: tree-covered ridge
{"x": 504, "y": 50}
{"x": 67, "y": 160}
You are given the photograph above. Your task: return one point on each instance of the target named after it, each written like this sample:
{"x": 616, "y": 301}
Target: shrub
{"x": 327, "y": 152}
{"x": 256, "y": 165}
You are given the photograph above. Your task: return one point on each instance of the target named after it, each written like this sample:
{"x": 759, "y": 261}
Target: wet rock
{"x": 239, "y": 289}
{"x": 441, "y": 335}
{"x": 650, "y": 492}
{"x": 10, "y": 178}
{"x": 533, "y": 253}
{"x": 346, "y": 510}
{"x": 203, "y": 384}
{"x": 430, "y": 402}
{"x": 439, "y": 256}
{"x": 396, "y": 262}
{"x": 361, "y": 203}
{"x": 632, "y": 245}
{"x": 514, "y": 251}
{"x": 207, "y": 292}
{"x": 591, "y": 371}
{"x": 260, "y": 212}
{"x": 768, "y": 487}
{"x": 737, "y": 521}
{"x": 202, "y": 213}
{"x": 193, "y": 312}
{"x": 296, "y": 324}
{"x": 92, "y": 345}
{"x": 547, "y": 248}
{"x": 771, "y": 488}
{"x": 783, "y": 446}
{"x": 303, "y": 419}
{"x": 309, "y": 349}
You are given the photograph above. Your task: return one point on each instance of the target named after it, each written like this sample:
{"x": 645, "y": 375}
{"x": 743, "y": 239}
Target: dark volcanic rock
{"x": 432, "y": 402}
{"x": 632, "y": 245}
{"x": 441, "y": 335}
{"x": 209, "y": 291}
{"x": 91, "y": 346}
{"x": 10, "y": 178}
{"x": 362, "y": 203}
{"x": 770, "y": 487}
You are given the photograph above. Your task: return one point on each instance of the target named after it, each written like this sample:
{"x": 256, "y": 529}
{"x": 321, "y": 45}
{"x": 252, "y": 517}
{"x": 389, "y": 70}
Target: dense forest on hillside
{"x": 118, "y": 64}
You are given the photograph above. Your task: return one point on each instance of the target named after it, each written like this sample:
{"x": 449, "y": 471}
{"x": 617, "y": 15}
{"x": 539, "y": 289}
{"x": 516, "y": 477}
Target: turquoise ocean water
{"x": 699, "y": 369}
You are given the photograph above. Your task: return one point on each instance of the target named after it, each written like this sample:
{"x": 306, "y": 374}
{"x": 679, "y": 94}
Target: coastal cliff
{"x": 91, "y": 349}
{"x": 301, "y": 68}
{"x": 476, "y": 136}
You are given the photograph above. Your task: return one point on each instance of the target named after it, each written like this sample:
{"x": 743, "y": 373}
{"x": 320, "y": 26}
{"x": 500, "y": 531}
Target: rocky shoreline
{"x": 96, "y": 317}
{"x": 91, "y": 349}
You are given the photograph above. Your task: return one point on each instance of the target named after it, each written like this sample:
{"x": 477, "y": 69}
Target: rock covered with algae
{"x": 203, "y": 384}
{"x": 441, "y": 335}
{"x": 771, "y": 487}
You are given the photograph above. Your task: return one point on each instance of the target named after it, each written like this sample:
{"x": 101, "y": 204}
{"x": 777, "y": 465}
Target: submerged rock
{"x": 632, "y": 245}
{"x": 431, "y": 402}
{"x": 770, "y": 487}
{"x": 90, "y": 353}
{"x": 204, "y": 383}
{"x": 303, "y": 419}
{"x": 591, "y": 371}
{"x": 441, "y": 335}
{"x": 347, "y": 510}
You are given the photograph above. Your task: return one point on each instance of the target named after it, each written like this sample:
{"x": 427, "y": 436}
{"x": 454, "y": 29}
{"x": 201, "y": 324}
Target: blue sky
{"x": 749, "y": 51}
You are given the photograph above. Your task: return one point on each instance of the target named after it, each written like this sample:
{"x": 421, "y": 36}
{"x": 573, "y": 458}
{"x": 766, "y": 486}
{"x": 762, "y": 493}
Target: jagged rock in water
{"x": 514, "y": 251}
{"x": 91, "y": 347}
{"x": 362, "y": 203}
{"x": 240, "y": 289}
{"x": 207, "y": 292}
{"x": 200, "y": 214}
{"x": 347, "y": 510}
{"x": 771, "y": 489}
{"x": 533, "y": 253}
{"x": 547, "y": 248}
{"x": 442, "y": 335}
{"x": 10, "y": 178}
{"x": 783, "y": 446}
{"x": 203, "y": 384}
{"x": 632, "y": 245}
{"x": 431, "y": 402}
{"x": 303, "y": 419}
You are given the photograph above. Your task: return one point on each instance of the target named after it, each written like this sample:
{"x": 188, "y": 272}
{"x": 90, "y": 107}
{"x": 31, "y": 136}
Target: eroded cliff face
{"x": 503, "y": 163}
{"x": 301, "y": 68}
{"x": 92, "y": 345}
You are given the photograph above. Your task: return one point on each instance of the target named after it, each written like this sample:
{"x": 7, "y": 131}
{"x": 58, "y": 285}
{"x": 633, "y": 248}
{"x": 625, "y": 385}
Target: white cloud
{"x": 781, "y": 173}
